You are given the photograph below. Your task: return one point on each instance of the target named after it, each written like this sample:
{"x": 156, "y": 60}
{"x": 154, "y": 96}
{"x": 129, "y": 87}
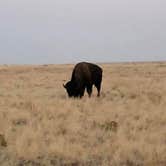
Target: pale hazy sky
{"x": 65, "y": 31}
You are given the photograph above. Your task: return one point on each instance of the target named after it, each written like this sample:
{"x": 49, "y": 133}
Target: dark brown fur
{"x": 84, "y": 76}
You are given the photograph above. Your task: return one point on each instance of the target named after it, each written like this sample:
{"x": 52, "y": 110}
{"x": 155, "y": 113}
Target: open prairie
{"x": 126, "y": 126}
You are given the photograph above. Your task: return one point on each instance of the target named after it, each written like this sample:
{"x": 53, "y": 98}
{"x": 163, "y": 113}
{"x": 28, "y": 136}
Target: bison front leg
{"x": 81, "y": 94}
{"x": 89, "y": 90}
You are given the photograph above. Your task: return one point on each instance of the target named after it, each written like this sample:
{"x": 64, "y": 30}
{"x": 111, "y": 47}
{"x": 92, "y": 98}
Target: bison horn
{"x": 64, "y": 86}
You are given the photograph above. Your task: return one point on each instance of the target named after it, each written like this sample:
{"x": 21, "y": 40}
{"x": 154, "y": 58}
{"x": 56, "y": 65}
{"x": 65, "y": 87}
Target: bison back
{"x": 86, "y": 73}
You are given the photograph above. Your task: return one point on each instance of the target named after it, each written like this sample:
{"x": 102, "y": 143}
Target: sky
{"x": 70, "y": 31}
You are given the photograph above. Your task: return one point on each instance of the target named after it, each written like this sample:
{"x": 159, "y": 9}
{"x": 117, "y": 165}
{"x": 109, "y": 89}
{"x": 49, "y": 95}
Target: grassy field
{"x": 126, "y": 126}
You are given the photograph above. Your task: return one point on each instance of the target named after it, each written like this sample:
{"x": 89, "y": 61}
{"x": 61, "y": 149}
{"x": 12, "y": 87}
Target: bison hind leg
{"x": 98, "y": 86}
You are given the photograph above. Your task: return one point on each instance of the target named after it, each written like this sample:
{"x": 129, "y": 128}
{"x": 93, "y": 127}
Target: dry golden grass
{"x": 126, "y": 126}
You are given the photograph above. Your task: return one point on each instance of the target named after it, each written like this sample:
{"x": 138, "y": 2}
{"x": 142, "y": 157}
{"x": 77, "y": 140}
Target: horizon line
{"x": 97, "y": 62}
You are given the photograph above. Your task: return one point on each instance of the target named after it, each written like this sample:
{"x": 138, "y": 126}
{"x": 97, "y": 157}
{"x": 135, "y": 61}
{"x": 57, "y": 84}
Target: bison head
{"x": 70, "y": 88}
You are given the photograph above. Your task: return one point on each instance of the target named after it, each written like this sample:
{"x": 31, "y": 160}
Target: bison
{"x": 84, "y": 76}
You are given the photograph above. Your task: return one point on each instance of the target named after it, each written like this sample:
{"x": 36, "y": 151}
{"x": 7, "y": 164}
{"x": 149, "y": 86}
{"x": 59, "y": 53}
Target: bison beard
{"x": 84, "y": 76}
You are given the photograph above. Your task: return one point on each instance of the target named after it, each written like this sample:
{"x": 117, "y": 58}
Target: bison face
{"x": 70, "y": 88}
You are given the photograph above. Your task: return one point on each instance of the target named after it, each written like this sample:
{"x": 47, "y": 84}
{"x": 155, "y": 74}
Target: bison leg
{"x": 81, "y": 94}
{"x": 98, "y": 86}
{"x": 89, "y": 90}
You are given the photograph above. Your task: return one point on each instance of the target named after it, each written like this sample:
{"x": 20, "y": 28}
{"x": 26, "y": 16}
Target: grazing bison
{"x": 84, "y": 75}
